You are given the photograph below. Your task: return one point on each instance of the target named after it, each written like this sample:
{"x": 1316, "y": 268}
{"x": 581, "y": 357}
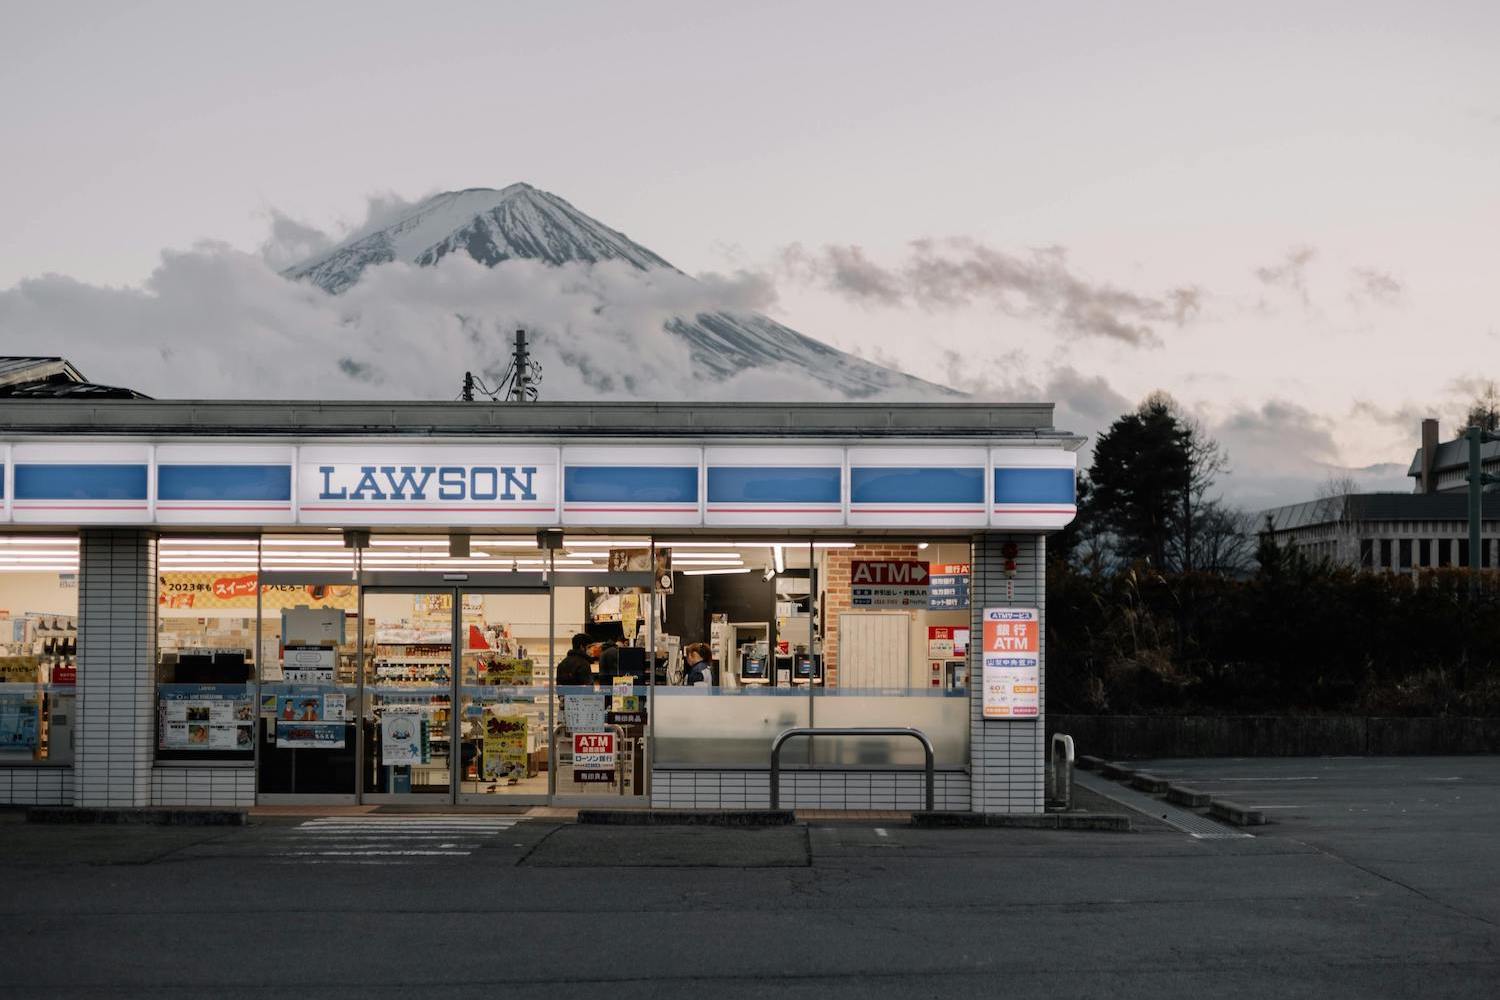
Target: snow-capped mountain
{"x": 523, "y": 222}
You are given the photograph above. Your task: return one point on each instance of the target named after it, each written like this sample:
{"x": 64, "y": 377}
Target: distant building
{"x": 1398, "y": 532}
{"x": 53, "y": 378}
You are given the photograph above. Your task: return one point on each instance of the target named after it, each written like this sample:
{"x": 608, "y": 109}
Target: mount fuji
{"x": 521, "y": 222}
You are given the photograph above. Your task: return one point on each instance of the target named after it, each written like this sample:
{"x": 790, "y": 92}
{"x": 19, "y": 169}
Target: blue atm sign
{"x": 948, "y": 588}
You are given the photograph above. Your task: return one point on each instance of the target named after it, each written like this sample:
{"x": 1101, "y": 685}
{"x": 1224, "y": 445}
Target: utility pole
{"x": 1478, "y": 480}
{"x": 522, "y": 363}
{"x": 468, "y": 387}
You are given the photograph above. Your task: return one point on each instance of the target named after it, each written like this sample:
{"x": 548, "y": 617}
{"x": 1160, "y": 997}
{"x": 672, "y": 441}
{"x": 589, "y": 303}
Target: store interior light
{"x": 715, "y": 572}
{"x": 778, "y": 558}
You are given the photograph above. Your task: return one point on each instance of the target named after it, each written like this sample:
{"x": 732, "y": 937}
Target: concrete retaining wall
{"x": 1142, "y": 736}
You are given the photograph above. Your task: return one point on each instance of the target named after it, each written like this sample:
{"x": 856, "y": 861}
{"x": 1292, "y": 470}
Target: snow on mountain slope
{"x": 521, "y": 222}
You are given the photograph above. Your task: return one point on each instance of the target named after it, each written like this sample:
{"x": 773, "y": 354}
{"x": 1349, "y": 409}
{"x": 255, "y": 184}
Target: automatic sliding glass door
{"x": 407, "y": 718}
{"x": 505, "y": 693}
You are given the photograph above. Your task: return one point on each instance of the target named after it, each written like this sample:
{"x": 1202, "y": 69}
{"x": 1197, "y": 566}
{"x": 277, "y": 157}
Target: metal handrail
{"x": 787, "y": 734}
{"x": 1062, "y": 769}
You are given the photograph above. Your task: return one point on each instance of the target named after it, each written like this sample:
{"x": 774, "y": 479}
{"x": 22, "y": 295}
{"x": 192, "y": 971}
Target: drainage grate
{"x": 1190, "y": 823}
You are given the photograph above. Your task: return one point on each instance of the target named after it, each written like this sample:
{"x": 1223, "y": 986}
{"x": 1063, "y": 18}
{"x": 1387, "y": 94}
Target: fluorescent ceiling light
{"x": 714, "y": 572}
{"x": 778, "y": 558}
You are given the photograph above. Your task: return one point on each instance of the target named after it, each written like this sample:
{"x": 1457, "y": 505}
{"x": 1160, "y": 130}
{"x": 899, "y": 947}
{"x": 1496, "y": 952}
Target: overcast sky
{"x": 1284, "y": 214}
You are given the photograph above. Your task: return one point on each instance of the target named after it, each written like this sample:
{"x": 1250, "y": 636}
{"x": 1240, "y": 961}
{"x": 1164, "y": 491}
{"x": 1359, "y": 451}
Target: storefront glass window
{"x": 38, "y": 648}
{"x": 819, "y": 633}
{"x": 206, "y": 649}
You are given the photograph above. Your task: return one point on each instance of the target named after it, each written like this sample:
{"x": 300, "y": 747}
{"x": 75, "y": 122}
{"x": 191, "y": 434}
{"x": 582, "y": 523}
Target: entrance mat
{"x": 672, "y": 847}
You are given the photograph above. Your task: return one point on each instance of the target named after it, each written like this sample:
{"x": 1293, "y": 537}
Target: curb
{"x": 1116, "y": 772}
{"x": 1235, "y": 813}
{"x": 60, "y": 815}
{"x": 1182, "y": 795}
{"x": 686, "y": 817}
{"x": 1110, "y": 822}
{"x": 1148, "y": 783}
{"x": 1089, "y": 763}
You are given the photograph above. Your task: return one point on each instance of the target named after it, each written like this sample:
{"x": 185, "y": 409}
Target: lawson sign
{"x": 62, "y": 481}
{"x": 410, "y": 486}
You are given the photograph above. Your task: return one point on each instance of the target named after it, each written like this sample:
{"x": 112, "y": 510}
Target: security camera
{"x": 769, "y": 574}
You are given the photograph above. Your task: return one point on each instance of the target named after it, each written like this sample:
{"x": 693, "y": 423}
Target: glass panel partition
{"x": 38, "y": 648}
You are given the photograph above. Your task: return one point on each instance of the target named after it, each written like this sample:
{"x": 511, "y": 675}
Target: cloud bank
{"x": 959, "y": 272}
{"x": 216, "y": 322}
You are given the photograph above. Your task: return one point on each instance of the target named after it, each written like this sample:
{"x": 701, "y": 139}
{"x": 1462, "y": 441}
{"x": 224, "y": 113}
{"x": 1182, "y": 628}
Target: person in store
{"x": 577, "y": 668}
{"x": 700, "y": 668}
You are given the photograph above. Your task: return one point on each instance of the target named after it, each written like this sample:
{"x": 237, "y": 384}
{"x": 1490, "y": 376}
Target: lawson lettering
{"x": 423, "y": 482}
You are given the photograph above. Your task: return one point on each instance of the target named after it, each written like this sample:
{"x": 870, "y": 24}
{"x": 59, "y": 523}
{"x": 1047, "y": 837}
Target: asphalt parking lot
{"x": 1374, "y": 881}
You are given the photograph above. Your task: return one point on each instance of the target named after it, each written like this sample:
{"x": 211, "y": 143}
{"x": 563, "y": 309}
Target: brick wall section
{"x": 1007, "y": 758}
{"x": 116, "y": 668}
{"x": 839, "y": 596}
{"x": 706, "y": 788}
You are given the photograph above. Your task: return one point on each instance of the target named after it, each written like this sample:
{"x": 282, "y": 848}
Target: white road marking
{"x": 385, "y": 839}
{"x": 880, "y": 832}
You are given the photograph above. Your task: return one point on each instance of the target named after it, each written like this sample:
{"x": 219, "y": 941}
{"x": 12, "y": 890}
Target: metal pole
{"x": 551, "y": 673}
{"x": 1476, "y": 488}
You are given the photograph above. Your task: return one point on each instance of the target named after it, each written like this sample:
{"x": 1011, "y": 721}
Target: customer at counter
{"x": 577, "y": 668}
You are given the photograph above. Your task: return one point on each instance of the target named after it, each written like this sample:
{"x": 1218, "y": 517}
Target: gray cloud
{"x": 1290, "y": 273}
{"x": 292, "y": 241}
{"x": 957, "y": 273}
{"x": 1369, "y": 285}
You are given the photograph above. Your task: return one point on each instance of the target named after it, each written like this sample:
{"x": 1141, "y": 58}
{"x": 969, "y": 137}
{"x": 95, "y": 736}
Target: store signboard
{"x": 206, "y": 717}
{"x": 888, "y": 583}
{"x": 593, "y": 757}
{"x": 1012, "y": 662}
{"x": 395, "y": 481}
{"x": 380, "y": 484}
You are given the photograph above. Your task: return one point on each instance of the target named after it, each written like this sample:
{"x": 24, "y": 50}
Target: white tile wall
{"x": 36, "y": 786}
{"x": 700, "y": 788}
{"x": 1006, "y": 758}
{"x": 116, "y": 668}
{"x": 203, "y": 786}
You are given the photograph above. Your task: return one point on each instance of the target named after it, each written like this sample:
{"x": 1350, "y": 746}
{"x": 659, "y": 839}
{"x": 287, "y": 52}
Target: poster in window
{"x": 504, "y": 748}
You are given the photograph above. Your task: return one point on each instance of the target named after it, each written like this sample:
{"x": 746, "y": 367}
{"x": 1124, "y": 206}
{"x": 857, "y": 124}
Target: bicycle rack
{"x": 787, "y": 734}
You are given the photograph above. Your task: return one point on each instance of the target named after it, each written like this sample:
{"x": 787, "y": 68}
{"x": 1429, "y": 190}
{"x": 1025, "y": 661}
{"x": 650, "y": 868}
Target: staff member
{"x": 700, "y": 669}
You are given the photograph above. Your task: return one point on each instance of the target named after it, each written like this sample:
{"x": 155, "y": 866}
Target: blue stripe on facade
{"x": 735, "y": 484}
{"x": 630, "y": 484}
{"x": 224, "y": 482}
{"x": 80, "y": 482}
{"x": 1035, "y": 486}
{"x": 911, "y": 485}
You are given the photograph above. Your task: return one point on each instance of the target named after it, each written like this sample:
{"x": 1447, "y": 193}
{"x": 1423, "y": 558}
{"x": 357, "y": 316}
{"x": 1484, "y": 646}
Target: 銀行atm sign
{"x": 1012, "y": 662}
{"x": 887, "y": 583}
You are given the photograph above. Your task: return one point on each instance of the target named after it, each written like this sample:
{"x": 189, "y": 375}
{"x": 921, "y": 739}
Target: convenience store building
{"x": 236, "y": 602}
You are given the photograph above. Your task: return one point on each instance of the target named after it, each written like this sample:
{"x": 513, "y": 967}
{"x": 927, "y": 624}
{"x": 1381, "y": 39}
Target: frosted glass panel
{"x": 700, "y": 728}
